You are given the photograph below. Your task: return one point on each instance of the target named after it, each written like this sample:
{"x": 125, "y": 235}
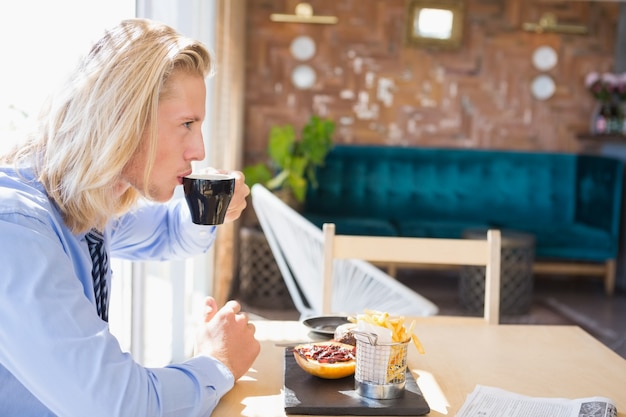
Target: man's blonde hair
{"x": 90, "y": 131}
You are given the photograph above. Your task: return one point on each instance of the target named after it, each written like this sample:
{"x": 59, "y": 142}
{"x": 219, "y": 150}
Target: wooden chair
{"x": 417, "y": 251}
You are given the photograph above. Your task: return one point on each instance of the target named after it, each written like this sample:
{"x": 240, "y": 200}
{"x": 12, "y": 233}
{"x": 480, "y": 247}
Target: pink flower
{"x": 605, "y": 86}
{"x": 609, "y": 79}
{"x": 591, "y": 79}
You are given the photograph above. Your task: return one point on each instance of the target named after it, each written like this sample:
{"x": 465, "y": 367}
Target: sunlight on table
{"x": 431, "y": 390}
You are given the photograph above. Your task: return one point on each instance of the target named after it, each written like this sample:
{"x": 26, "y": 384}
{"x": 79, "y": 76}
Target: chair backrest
{"x": 298, "y": 246}
{"x": 418, "y": 251}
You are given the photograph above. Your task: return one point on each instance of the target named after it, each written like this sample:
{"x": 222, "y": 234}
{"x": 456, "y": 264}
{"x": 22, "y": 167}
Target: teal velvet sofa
{"x": 569, "y": 202}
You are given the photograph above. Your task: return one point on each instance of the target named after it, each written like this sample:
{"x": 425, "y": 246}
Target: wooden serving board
{"x": 308, "y": 394}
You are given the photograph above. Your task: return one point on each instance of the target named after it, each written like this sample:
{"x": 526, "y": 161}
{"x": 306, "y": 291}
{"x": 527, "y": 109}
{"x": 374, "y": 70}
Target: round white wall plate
{"x": 542, "y": 87}
{"x": 302, "y": 48}
{"x": 544, "y": 58}
{"x": 303, "y": 77}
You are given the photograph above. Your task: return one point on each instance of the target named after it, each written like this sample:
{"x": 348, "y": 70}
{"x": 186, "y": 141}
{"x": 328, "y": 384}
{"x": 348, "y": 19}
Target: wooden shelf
{"x": 601, "y": 138}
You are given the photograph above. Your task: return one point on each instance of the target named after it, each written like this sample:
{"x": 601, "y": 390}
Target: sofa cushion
{"x": 437, "y": 229}
{"x": 574, "y": 241}
{"x": 443, "y": 184}
{"x": 348, "y": 225}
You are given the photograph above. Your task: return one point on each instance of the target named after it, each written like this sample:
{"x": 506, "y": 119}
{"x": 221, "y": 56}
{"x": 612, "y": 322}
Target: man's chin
{"x": 160, "y": 195}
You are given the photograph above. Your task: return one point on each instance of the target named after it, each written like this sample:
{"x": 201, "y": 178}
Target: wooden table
{"x": 535, "y": 360}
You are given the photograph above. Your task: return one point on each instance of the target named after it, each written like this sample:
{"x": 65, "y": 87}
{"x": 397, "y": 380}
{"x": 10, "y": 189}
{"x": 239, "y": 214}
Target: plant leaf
{"x": 258, "y": 173}
{"x": 298, "y": 165}
{"x": 281, "y": 143}
{"x": 317, "y": 139}
{"x": 298, "y": 187}
{"x": 292, "y": 163}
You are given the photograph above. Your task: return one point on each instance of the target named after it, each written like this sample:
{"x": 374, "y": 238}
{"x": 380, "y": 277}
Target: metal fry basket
{"x": 380, "y": 367}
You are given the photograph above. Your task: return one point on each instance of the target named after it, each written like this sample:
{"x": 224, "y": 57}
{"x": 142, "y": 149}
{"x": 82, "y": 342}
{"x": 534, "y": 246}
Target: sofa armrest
{"x": 599, "y": 192}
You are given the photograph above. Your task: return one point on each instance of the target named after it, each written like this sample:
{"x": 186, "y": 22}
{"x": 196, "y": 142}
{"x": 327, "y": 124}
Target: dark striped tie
{"x": 100, "y": 261}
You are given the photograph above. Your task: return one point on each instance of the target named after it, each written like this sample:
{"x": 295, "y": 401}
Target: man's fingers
{"x": 210, "y": 308}
{"x": 233, "y": 305}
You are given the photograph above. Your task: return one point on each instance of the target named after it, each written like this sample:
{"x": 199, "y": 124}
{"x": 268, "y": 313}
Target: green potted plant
{"x": 292, "y": 162}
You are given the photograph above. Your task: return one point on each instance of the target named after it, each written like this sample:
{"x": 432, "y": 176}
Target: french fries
{"x": 399, "y": 333}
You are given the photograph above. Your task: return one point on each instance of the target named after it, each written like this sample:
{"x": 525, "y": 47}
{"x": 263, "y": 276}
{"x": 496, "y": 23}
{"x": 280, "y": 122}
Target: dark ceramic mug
{"x": 208, "y": 196}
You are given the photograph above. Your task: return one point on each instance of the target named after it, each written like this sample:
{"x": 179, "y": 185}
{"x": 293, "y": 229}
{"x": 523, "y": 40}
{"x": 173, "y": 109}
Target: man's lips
{"x": 181, "y": 176}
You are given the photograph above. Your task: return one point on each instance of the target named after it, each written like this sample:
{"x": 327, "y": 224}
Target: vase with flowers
{"x": 609, "y": 90}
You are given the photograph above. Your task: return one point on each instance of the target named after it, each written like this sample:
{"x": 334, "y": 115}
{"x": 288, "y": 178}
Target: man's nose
{"x": 196, "y": 150}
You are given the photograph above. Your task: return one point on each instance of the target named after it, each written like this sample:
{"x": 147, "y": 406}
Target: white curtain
{"x": 167, "y": 296}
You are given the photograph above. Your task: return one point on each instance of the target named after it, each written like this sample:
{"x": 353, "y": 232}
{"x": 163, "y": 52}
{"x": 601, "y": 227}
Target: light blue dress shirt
{"x": 57, "y": 357}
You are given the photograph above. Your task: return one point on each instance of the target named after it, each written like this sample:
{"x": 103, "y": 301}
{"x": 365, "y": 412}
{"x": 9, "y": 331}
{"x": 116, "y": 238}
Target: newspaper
{"x": 495, "y": 402}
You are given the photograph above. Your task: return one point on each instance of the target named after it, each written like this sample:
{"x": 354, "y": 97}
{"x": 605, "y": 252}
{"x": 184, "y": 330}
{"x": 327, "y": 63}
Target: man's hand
{"x": 238, "y": 202}
{"x": 227, "y": 336}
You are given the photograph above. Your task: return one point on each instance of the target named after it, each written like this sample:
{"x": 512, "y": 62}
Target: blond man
{"x": 95, "y": 180}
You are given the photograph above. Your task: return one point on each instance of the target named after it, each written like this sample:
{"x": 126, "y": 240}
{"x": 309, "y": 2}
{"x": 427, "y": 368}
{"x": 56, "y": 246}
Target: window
{"x": 434, "y": 23}
{"x": 154, "y": 305}
{"x": 39, "y": 48}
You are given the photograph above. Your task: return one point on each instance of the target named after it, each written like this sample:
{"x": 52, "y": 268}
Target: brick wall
{"x": 381, "y": 91}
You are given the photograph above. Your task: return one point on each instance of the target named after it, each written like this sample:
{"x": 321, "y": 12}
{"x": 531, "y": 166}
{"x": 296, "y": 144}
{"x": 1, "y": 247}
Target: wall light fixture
{"x": 303, "y": 14}
{"x": 548, "y": 23}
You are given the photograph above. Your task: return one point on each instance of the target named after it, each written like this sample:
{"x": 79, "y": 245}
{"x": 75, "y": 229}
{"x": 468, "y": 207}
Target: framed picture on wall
{"x": 435, "y": 23}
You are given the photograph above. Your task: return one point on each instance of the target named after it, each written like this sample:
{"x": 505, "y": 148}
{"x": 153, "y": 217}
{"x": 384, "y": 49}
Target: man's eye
{"x": 187, "y": 125}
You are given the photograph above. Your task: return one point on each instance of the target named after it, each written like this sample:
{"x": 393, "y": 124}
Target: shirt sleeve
{"x": 159, "y": 232}
{"x": 53, "y": 343}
